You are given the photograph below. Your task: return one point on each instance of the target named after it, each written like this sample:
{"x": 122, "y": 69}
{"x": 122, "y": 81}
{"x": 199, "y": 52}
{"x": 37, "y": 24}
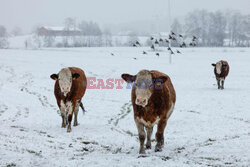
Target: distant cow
{"x": 69, "y": 89}
{"x": 221, "y": 70}
{"x": 153, "y": 99}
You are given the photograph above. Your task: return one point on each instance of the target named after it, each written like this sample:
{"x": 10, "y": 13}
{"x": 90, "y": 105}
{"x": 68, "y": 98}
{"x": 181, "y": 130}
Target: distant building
{"x": 59, "y": 31}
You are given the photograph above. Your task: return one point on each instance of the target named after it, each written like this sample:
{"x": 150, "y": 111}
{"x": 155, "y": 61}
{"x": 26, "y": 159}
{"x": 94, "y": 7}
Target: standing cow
{"x": 221, "y": 70}
{"x": 153, "y": 99}
{"x": 69, "y": 89}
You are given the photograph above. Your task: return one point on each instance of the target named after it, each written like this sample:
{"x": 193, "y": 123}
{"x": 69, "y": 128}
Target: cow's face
{"x": 65, "y": 78}
{"x": 218, "y": 67}
{"x": 144, "y": 84}
{"x": 143, "y": 87}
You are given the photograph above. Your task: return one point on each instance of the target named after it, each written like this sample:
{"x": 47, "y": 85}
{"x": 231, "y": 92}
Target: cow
{"x": 70, "y": 86}
{"x": 221, "y": 70}
{"x": 153, "y": 99}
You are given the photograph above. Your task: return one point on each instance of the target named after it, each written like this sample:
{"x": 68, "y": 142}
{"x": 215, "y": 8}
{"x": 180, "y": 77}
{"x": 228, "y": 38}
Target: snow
{"x": 208, "y": 126}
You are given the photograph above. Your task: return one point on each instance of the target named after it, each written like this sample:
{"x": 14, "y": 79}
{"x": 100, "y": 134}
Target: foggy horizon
{"x": 28, "y": 13}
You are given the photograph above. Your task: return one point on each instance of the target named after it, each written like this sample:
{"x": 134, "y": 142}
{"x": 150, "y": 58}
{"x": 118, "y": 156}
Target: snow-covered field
{"x": 208, "y": 126}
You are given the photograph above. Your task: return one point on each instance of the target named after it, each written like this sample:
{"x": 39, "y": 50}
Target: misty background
{"x": 82, "y": 23}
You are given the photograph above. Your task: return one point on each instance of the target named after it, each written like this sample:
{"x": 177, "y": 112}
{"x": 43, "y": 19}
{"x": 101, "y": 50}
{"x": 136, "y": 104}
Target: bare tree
{"x": 3, "y": 37}
{"x": 90, "y": 28}
{"x": 91, "y": 34}
{"x": 107, "y": 37}
{"x": 69, "y": 24}
{"x": 217, "y": 29}
{"x": 36, "y": 38}
{"x": 210, "y": 27}
{"x": 48, "y": 41}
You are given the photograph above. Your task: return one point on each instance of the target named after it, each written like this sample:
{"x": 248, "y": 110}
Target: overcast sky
{"x": 27, "y": 13}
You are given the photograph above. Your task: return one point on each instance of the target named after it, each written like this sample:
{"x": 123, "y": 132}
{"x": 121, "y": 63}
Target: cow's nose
{"x": 65, "y": 88}
{"x": 141, "y": 101}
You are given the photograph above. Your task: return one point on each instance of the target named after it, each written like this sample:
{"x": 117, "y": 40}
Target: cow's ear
{"x": 160, "y": 80}
{"x": 213, "y": 64}
{"x": 75, "y": 76}
{"x": 54, "y": 76}
{"x": 128, "y": 77}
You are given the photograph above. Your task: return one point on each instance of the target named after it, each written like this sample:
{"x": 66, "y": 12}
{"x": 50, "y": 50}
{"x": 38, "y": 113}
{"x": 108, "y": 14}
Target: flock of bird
{"x": 171, "y": 38}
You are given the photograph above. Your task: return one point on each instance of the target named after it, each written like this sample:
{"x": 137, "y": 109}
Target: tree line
{"x": 216, "y": 29}
{"x": 213, "y": 29}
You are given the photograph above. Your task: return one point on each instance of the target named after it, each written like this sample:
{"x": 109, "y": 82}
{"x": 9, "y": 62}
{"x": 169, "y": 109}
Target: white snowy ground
{"x": 209, "y": 127}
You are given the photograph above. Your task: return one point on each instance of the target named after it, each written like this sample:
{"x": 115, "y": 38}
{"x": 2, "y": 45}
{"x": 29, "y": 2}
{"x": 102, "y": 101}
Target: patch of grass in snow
{"x": 153, "y": 140}
{"x": 89, "y": 142}
{"x": 143, "y": 156}
{"x": 228, "y": 163}
{"x": 124, "y": 131}
{"x": 165, "y": 158}
{"x": 11, "y": 165}
{"x": 130, "y": 133}
{"x": 125, "y": 110}
{"x": 34, "y": 152}
{"x": 196, "y": 112}
{"x": 106, "y": 147}
{"x": 22, "y": 129}
{"x": 210, "y": 158}
{"x": 40, "y": 132}
{"x": 180, "y": 149}
{"x": 3, "y": 108}
{"x": 117, "y": 150}
{"x": 50, "y": 136}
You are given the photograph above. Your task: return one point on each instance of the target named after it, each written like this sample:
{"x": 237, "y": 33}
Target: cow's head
{"x": 144, "y": 83}
{"x": 218, "y": 66}
{"x": 65, "y": 78}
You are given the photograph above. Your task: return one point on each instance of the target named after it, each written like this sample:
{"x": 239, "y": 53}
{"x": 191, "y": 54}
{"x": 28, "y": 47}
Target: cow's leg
{"x": 142, "y": 135}
{"x": 69, "y": 122}
{"x": 63, "y": 121}
{"x": 66, "y": 120}
{"x": 222, "y": 83}
{"x": 149, "y": 134}
{"x": 159, "y": 135}
{"x": 75, "y": 116}
{"x": 218, "y": 83}
{"x": 71, "y": 110}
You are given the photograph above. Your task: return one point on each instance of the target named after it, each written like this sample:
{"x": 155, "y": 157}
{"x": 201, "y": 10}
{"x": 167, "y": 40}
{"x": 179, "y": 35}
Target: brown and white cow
{"x": 153, "y": 99}
{"x": 69, "y": 89}
{"x": 221, "y": 70}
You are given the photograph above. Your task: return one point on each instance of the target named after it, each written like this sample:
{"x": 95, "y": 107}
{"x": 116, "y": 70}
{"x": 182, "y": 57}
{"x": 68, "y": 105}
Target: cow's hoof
{"x": 63, "y": 126}
{"x": 69, "y": 130}
{"x": 142, "y": 151}
{"x": 158, "y": 148}
{"x": 148, "y": 146}
{"x": 75, "y": 124}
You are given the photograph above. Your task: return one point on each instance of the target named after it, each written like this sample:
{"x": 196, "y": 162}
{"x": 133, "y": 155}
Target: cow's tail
{"x": 83, "y": 109}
